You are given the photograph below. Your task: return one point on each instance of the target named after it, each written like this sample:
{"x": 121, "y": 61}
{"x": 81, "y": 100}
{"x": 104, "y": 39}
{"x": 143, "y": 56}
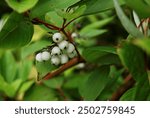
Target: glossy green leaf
{"x": 94, "y": 85}
{"x": 97, "y": 52}
{"x": 8, "y": 67}
{"x": 16, "y": 32}
{"x": 133, "y": 59}
{"x": 40, "y": 93}
{"x": 44, "y": 6}
{"x": 141, "y": 7}
{"x": 128, "y": 25}
{"x": 144, "y": 44}
{"x": 21, "y": 5}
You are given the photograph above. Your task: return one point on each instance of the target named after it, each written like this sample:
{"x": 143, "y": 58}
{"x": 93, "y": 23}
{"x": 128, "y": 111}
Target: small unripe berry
{"x": 55, "y": 60}
{"x": 38, "y": 57}
{"x": 74, "y": 35}
{"x": 72, "y": 54}
{"x": 63, "y": 45}
{"x": 45, "y": 55}
{"x": 64, "y": 58}
{"x": 70, "y": 48}
{"x": 55, "y": 51}
{"x": 57, "y": 37}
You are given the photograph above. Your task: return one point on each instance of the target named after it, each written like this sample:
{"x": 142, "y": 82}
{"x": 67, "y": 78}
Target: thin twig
{"x": 69, "y": 22}
{"x": 128, "y": 83}
{"x": 50, "y": 26}
{"x": 64, "y": 67}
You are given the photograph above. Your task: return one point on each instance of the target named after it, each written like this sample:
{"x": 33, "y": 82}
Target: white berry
{"x": 55, "y": 51}
{"x": 45, "y": 55}
{"x": 57, "y": 37}
{"x": 72, "y": 54}
{"x": 70, "y": 48}
{"x": 63, "y": 45}
{"x": 38, "y": 57}
{"x": 74, "y": 35}
{"x": 55, "y": 60}
{"x": 64, "y": 58}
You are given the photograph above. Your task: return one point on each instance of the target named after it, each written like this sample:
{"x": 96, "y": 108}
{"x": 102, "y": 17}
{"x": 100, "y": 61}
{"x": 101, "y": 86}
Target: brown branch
{"x": 128, "y": 83}
{"x": 50, "y": 26}
{"x": 69, "y": 22}
{"x": 64, "y": 67}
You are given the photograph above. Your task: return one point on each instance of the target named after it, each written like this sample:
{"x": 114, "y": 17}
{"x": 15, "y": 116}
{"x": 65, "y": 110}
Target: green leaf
{"x": 69, "y": 16}
{"x": 97, "y": 52}
{"x": 133, "y": 59}
{"x": 40, "y": 93}
{"x": 25, "y": 86}
{"x": 24, "y": 69}
{"x": 95, "y": 6}
{"x": 89, "y": 33}
{"x": 75, "y": 80}
{"x": 114, "y": 82}
{"x": 33, "y": 47}
{"x": 8, "y": 67}
{"x": 141, "y": 7}
{"x": 144, "y": 44}
{"x": 54, "y": 83}
{"x": 128, "y": 95}
{"x": 21, "y": 5}
{"x": 44, "y": 6}
{"x": 128, "y": 25}
{"x": 108, "y": 59}
{"x": 54, "y": 18}
{"x": 94, "y": 85}
{"x": 147, "y": 1}
{"x": 98, "y": 24}
{"x": 43, "y": 68}
{"x": 16, "y": 32}
{"x": 9, "y": 89}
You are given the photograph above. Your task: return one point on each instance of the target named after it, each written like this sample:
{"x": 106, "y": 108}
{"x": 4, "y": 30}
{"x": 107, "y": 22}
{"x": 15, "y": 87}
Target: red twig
{"x": 64, "y": 67}
{"x": 128, "y": 83}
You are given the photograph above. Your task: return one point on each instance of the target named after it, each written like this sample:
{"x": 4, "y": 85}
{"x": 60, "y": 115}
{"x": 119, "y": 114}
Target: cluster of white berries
{"x": 60, "y": 53}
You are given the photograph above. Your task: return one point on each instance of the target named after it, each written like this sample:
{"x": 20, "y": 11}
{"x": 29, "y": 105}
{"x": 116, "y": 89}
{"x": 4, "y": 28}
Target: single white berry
{"x": 64, "y": 58}
{"x": 55, "y": 60}
{"x": 55, "y": 51}
{"x": 57, "y": 37}
{"x": 80, "y": 65}
{"x": 38, "y": 57}
{"x": 74, "y": 35}
{"x": 70, "y": 48}
{"x": 72, "y": 54}
{"x": 63, "y": 44}
{"x": 45, "y": 55}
